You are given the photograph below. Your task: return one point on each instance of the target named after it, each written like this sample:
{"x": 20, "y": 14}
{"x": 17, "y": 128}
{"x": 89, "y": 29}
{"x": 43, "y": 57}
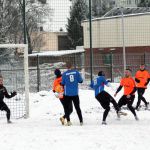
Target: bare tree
{"x": 11, "y": 22}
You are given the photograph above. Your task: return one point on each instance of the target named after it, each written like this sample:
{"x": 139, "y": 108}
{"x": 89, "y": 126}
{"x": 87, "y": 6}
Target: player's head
{"x": 142, "y": 66}
{"x": 1, "y": 80}
{"x": 69, "y": 65}
{"x": 127, "y": 72}
{"x": 101, "y": 73}
{"x": 57, "y": 72}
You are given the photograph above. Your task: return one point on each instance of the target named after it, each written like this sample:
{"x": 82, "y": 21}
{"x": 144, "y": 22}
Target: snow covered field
{"x": 43, "y": 131}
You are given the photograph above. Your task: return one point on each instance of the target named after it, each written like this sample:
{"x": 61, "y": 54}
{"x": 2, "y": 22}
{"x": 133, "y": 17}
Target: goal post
{"x": 26, "y": 72}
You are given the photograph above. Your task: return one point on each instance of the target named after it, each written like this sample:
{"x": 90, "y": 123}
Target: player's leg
{"x": 62, "y": 119}
{"x": 122, "y": 101}
{"x": 76, "y": 102}
{"x": 140, "y": 97}
{"x": 5, "y": 108}
{"x": 68, "y": 108}
{"x": 129, "y": 105}
{"x": 105, "y": 104}
{"x": 143, "y": 98}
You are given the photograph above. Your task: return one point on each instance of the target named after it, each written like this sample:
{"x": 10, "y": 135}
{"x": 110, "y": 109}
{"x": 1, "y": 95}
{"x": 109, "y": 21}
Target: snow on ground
{"x": 43, "y": 131}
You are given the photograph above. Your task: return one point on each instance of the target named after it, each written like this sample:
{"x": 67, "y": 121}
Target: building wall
{"x": 48, "y": 41}
{"x": 45, "y": 41}
{"x": 108, "y": 32}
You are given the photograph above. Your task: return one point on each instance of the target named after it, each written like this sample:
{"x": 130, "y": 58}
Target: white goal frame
{"x": 26, "y": 71}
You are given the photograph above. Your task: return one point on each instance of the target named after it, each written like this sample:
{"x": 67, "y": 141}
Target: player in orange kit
{"x": 58, "y": 91}
{"x": 129, "y": 92}
{"x": 142, "y": 78}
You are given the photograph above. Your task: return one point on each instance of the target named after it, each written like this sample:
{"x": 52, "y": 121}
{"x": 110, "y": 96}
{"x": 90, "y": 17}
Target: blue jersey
{"x": 70, "y": 80}
{"x": 98, "y": 84}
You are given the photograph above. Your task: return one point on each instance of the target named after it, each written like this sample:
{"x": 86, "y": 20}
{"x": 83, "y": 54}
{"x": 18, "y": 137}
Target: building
{"x": 116, "y": 3}
{"x": 50, "y": 41}
{"x": 109, "y": 32}
{"x": 51, "y": 34}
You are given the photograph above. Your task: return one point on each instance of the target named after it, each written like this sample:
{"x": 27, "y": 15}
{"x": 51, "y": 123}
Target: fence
{"x": 42, "y": 75}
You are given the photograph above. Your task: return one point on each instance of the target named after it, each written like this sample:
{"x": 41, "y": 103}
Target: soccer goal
{"x": 16, "y": 77}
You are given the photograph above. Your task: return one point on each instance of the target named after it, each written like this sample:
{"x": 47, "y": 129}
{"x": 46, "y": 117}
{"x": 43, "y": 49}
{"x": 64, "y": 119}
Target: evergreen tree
{"x": 78, "y": 13}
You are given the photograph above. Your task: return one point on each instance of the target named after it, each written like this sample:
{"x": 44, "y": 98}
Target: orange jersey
{"x": 143, "y": 77}
{"x": 128, "y": 84}
{"x": 57, "y": 87}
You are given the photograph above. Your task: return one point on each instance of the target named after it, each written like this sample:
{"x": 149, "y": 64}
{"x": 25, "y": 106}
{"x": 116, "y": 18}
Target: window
{"x": 41, "y": 28}
{"x": 107, "y": 59}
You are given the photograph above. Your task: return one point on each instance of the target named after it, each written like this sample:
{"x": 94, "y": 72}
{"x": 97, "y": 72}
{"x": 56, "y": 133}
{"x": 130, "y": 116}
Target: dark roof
{"x": 135, "y": 10}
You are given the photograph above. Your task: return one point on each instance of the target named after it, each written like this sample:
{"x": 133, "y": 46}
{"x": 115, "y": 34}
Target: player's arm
{"x": 147, "y": 80}
{"x": 118, "y": 90}
{"x": 105, "y": 82}
{"x": 133, "y": 91}
{"x": 63, "y": 80}
{"x": 137, "y": 80}
{"x": 9, "y": 96}
{"x": 80, "y": 80}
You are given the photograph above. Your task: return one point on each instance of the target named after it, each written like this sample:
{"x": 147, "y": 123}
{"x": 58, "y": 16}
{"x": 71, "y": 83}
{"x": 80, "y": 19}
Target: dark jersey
{"x": 4, "y": 93}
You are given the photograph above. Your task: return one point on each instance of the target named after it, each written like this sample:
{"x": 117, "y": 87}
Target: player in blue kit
{"x": 102, "y": 96}
{"x": 70, "y": 80}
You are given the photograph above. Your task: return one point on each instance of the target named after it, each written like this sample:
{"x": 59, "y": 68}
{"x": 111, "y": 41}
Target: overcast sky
{"x": 61, "y": 13}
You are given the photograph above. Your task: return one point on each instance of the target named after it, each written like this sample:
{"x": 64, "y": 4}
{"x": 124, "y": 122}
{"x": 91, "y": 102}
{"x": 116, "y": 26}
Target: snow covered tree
{"x": 78, "y": 13}
{"x": 100, "y": 7}
{"x": 144, "y": 3}
{"x": 11, "y": 20}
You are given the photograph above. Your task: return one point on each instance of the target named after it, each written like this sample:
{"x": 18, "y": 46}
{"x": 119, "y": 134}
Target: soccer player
{"x": 4, "y": 93}
{"x": 59, "y": 90}
{"x": 102, "y": 96}
{"x": 129, "y": 92}
{"x": 142, "y": 79}
{"x": 70, "y": 80}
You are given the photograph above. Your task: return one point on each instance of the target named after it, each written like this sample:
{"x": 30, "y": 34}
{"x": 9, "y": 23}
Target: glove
{"x": 108, "y": 80}
{"x": 13, "y": 93}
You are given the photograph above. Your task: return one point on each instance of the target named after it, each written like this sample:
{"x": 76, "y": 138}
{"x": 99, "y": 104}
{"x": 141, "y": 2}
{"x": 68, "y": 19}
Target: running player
{"x": 142, "y": 79}
{"x": 129, "y": 92}
{"x": 102, "y": 96}
{"x": 4, "y": 93}
{"x": 70, "y": 80}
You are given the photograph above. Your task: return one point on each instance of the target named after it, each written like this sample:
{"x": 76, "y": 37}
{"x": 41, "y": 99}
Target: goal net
{"x": 14, "y": 69}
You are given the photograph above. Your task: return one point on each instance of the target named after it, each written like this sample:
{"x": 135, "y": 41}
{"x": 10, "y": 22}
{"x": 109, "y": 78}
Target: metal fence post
{"x": 38, "y": 74}
{"x": 111, "y": 65}
{"x": 145, "y": 58}
{"x": 90, "y": 32}
{"x": 83, "y": 65}
{"x": 123, "y": 39}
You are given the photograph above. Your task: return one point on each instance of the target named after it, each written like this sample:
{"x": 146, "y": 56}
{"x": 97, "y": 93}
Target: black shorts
{"x": 140, "y": 91}
{"x": 3, "y": 106}
{"x": 104, "y": 99}
{"x": 124, "y": 100}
